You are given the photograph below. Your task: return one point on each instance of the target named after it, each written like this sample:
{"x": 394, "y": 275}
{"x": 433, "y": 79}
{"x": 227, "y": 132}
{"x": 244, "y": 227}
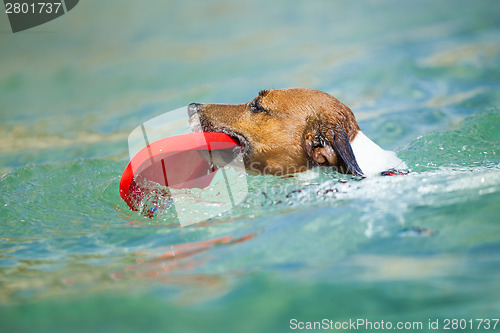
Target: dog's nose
{"x": 193, "y": 108}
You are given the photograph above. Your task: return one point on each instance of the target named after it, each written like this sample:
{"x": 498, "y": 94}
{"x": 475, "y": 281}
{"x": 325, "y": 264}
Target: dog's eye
{"x": 255, "y": 107}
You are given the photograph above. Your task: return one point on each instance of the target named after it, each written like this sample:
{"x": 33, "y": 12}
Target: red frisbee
{"x": 181, "y": 161}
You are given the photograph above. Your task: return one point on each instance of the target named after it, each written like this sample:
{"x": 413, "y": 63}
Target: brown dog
{"x": 292, "y": 130}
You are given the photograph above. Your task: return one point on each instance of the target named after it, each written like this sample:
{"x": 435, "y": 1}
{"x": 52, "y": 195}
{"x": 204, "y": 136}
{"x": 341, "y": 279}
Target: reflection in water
{"x": 173, "y": 265}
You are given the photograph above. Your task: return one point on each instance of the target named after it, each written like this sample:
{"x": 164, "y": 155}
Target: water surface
{"x": 422, "y": 78}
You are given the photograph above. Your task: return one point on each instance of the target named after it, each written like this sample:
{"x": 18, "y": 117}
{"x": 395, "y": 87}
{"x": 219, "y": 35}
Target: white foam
{"x": 371, "y": 158}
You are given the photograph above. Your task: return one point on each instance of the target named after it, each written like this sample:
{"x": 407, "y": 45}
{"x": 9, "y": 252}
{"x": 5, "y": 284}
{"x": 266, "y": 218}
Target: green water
{"x": 422, "y": 79}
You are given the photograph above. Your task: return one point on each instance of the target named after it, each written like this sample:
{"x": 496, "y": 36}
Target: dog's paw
{"x": 394, "y": 172}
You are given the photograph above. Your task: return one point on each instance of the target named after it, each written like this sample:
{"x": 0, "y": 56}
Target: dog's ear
{"x": 328, "y": 144}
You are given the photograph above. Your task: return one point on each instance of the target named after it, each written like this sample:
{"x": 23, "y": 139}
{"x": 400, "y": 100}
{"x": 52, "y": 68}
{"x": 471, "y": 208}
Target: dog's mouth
{"x": 241, "y": 141}
{"x": 200, "y": 124}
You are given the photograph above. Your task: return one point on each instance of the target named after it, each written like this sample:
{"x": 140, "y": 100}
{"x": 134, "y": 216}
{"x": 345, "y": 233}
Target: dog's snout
{"x": 193, "y": 108}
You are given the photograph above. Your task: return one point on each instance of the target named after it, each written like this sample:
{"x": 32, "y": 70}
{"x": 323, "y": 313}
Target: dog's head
{"x": 287, "y": 130}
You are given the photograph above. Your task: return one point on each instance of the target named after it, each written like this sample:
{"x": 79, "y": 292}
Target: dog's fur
{"x": 291, "y": 130}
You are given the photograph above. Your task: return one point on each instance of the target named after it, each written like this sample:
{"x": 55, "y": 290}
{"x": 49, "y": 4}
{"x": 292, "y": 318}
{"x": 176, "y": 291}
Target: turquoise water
{"x": 421, "y": 77}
